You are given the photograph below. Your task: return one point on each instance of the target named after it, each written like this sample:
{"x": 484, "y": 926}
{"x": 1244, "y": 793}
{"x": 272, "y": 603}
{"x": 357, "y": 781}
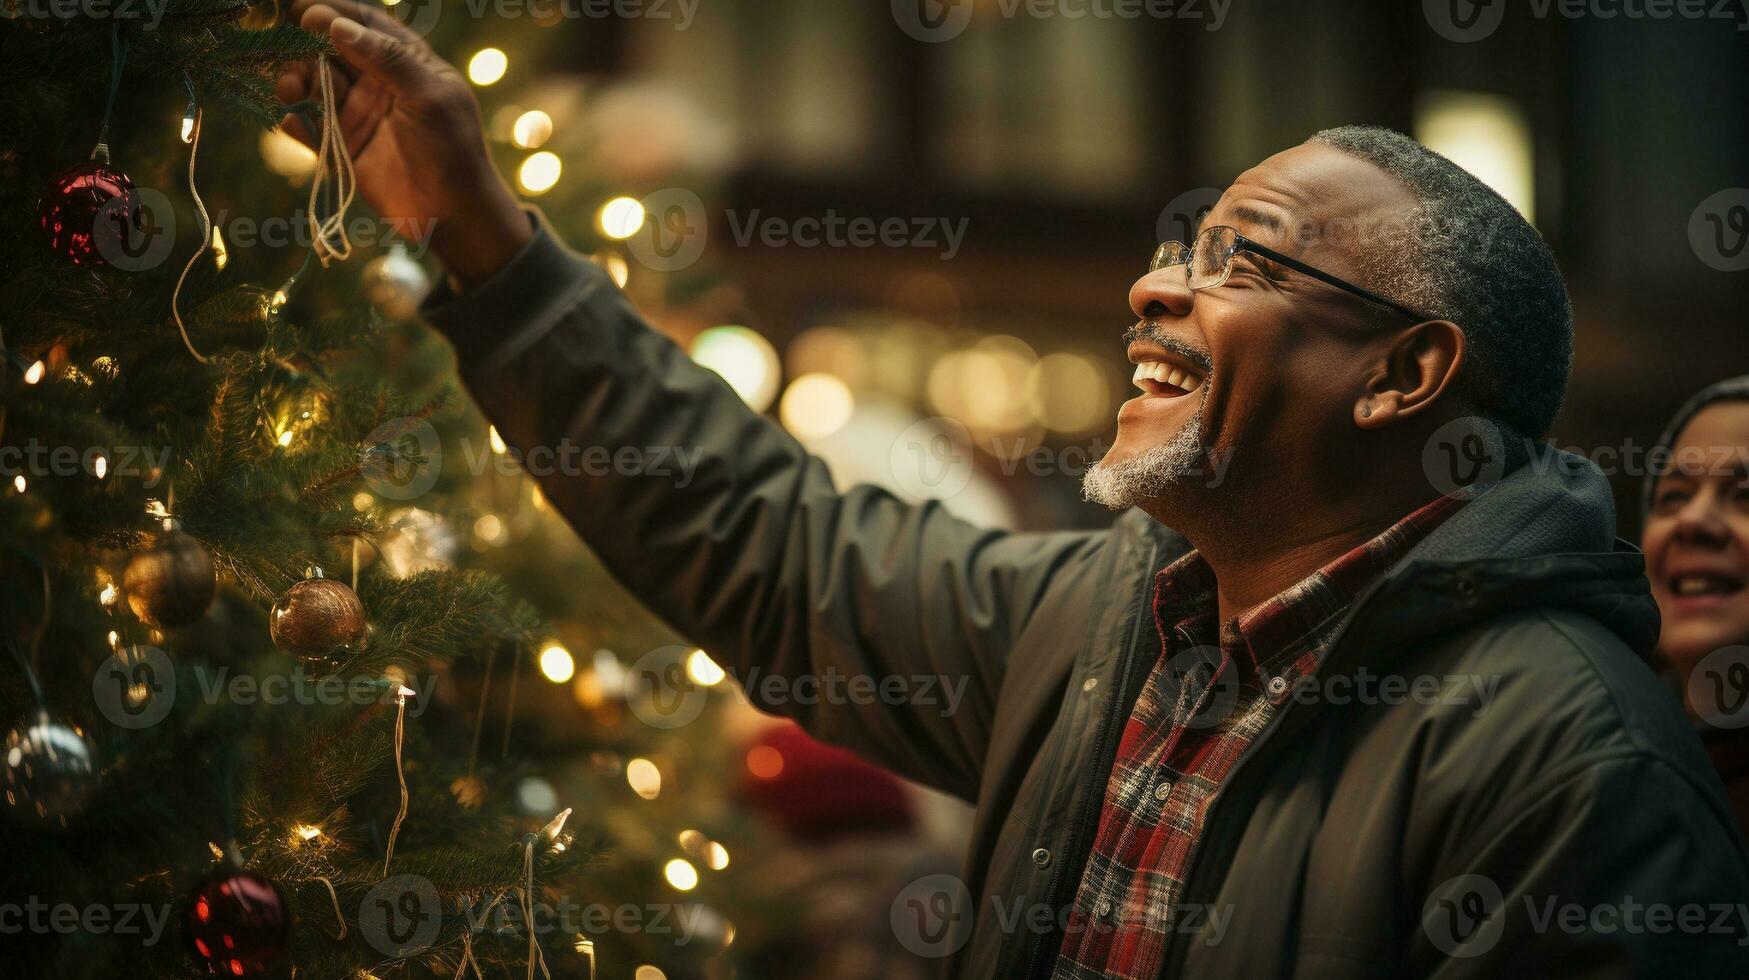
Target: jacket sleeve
{"x": 1615, "y": 867}
{"x": 896, "y": 617}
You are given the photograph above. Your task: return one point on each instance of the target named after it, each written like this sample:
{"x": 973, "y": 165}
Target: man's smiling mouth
{"x": 1164, "y": 378}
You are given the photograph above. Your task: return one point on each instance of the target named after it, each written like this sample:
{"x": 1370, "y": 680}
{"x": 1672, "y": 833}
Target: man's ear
{"x": 1416, "y": 369}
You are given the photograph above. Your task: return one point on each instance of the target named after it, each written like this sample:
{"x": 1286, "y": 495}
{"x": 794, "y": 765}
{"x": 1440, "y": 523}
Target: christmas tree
{"x": 262, "y": 704}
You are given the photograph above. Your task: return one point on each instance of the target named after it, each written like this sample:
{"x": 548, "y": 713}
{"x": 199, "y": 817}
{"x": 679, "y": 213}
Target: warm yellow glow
{"x": 648, "y": 972}
{"x": 703, "y": 670}
{"x": 100, "y": 466}
{"x": 815, "y": 406}
{"x": 1068, "y": 393}
{"x": 616, "y": 266}
{"x": 221, "y": 254}
{"x": 644, "y": 778}
{"x": 18, "y": 482}
{"x": 746, "y": 360}
{"x": 539, "y": 172}
{"x": 307, "y": 832}
{"x": 114, "y": 640}
{"x": 285, "y": 438}
{"x": 487, "y": 66}
{"x": 681, "y": 874}
{"x": 716, "y": 856}
{"x": 495, "y": 439}
{"x": 1488, "y": 135}
{"x": 621, "y": 217}
{"x": 489, "y": 529}
{"x": 531, "y": 129}
{"x": 109, "y": 594}
{"x": 285, "y": 156}
{"x": 362, "y": 501}
{"x": 35, "y": 373}
{"x": 188, "y": 127}
{"x": 981, "y": 386}
{"x": 588, "y": 690}
{"x": 557, "y": 664}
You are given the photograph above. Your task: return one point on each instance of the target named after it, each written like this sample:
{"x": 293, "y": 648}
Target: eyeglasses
{"x": 1209, "y": 260}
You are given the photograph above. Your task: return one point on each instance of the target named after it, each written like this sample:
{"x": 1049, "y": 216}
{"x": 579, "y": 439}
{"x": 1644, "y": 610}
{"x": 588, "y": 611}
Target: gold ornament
{"x": 170, "y": 584}
{"x": 317, "y": 616}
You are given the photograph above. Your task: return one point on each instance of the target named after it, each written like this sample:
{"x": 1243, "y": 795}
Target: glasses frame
{"x": 1243, "y": 244}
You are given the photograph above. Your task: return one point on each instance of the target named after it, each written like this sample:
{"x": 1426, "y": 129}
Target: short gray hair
{"x": 1467, "y": 255}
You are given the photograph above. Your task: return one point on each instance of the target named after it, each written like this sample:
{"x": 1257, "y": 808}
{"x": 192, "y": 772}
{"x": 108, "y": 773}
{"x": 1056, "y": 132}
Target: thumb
{"x": 393, "y": 61}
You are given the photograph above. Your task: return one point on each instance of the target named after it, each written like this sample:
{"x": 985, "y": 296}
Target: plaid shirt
{"x": 1208, "y": 696}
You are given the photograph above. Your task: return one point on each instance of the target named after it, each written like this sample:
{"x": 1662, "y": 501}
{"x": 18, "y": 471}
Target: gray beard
{"x": 1147, "y": 477}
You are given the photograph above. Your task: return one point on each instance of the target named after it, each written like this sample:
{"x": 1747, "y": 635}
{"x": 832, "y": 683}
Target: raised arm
{"x": 746, "y": 546}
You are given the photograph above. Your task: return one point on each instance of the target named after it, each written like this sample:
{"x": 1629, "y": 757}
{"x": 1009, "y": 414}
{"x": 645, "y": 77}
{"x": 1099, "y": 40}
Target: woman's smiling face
{"x": 1697, "y": 536}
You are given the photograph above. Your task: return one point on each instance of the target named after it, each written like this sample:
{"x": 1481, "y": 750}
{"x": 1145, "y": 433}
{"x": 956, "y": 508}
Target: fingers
{"x": 294, "y": 127}
{"x": 395, "y": 61}
{"x": 369, "y": 14}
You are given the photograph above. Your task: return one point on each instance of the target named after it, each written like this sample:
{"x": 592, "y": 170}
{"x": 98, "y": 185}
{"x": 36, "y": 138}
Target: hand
{"x": 414, "y": 131}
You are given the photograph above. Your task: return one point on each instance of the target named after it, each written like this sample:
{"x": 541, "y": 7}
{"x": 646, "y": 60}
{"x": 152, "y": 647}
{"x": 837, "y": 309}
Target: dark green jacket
{"x": 1533, "y": 828}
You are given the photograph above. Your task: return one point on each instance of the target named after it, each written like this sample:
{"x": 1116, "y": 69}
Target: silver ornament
{"x": 396, "y": 283}
{"x": 51, "y": 772}
{"x": 418, "y": 541}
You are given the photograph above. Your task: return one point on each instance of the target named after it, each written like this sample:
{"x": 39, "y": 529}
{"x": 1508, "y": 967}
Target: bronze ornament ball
{"x": 171, "y": 583}
{"x": 316, "y": 616}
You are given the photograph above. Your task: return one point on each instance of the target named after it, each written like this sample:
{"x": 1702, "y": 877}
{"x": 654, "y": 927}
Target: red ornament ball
{"x": 74, "y": 203}
{"x": 238, "y": 923}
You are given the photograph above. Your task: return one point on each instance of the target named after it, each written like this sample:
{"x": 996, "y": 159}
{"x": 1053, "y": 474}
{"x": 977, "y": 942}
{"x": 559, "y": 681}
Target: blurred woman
{"x": 1696, "y": 541}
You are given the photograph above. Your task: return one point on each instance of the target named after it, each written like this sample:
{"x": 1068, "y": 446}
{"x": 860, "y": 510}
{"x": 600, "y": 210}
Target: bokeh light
{"x": 644, "y": 778}
{"x": 539, "y": 172}
{"x": 744, "y": 359}
{"x": 703, "y": 670}
{"x": 1068, "y": 393}
{"x": 621, "y": 217}
{"x": 487, "y": 66}
{"x": 531, "y": 129}
{"x": 556, "y": 663}
{"x": 764, "y": 762}
{"x": 815, "y": 406}
{"x": 681, "y": 874}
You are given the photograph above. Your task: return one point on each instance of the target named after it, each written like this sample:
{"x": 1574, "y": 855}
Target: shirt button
{"x": 1277, "y": 685}
{"x": 1102, "y": 910}
{"x": 1041, "y": 857}
{"x": 1162, "y": 791}
{"x": 1089, "y": 684}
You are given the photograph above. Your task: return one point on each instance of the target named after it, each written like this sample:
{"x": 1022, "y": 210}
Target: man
{"x": 1369, "y": 725}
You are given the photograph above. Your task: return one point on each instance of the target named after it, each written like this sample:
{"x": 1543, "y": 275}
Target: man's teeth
{"x": 1168, "y": 373}
{"x": 1703, "y": 584}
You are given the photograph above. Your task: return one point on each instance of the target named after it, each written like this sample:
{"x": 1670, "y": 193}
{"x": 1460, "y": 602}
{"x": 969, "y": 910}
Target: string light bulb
{"x": 221, "y": 254}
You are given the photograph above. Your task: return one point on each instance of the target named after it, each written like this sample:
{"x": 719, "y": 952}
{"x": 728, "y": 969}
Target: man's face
{"x": 1697, "y": 536}
{"x": 1263, "y": 372}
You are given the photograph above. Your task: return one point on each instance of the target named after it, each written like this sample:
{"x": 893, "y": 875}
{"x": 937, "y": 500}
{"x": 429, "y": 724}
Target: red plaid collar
{"x": 1186, "y": 601}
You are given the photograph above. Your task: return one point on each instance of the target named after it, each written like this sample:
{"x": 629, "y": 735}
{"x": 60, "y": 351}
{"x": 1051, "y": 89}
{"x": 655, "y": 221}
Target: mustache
{"x": 1152, "y": 332}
